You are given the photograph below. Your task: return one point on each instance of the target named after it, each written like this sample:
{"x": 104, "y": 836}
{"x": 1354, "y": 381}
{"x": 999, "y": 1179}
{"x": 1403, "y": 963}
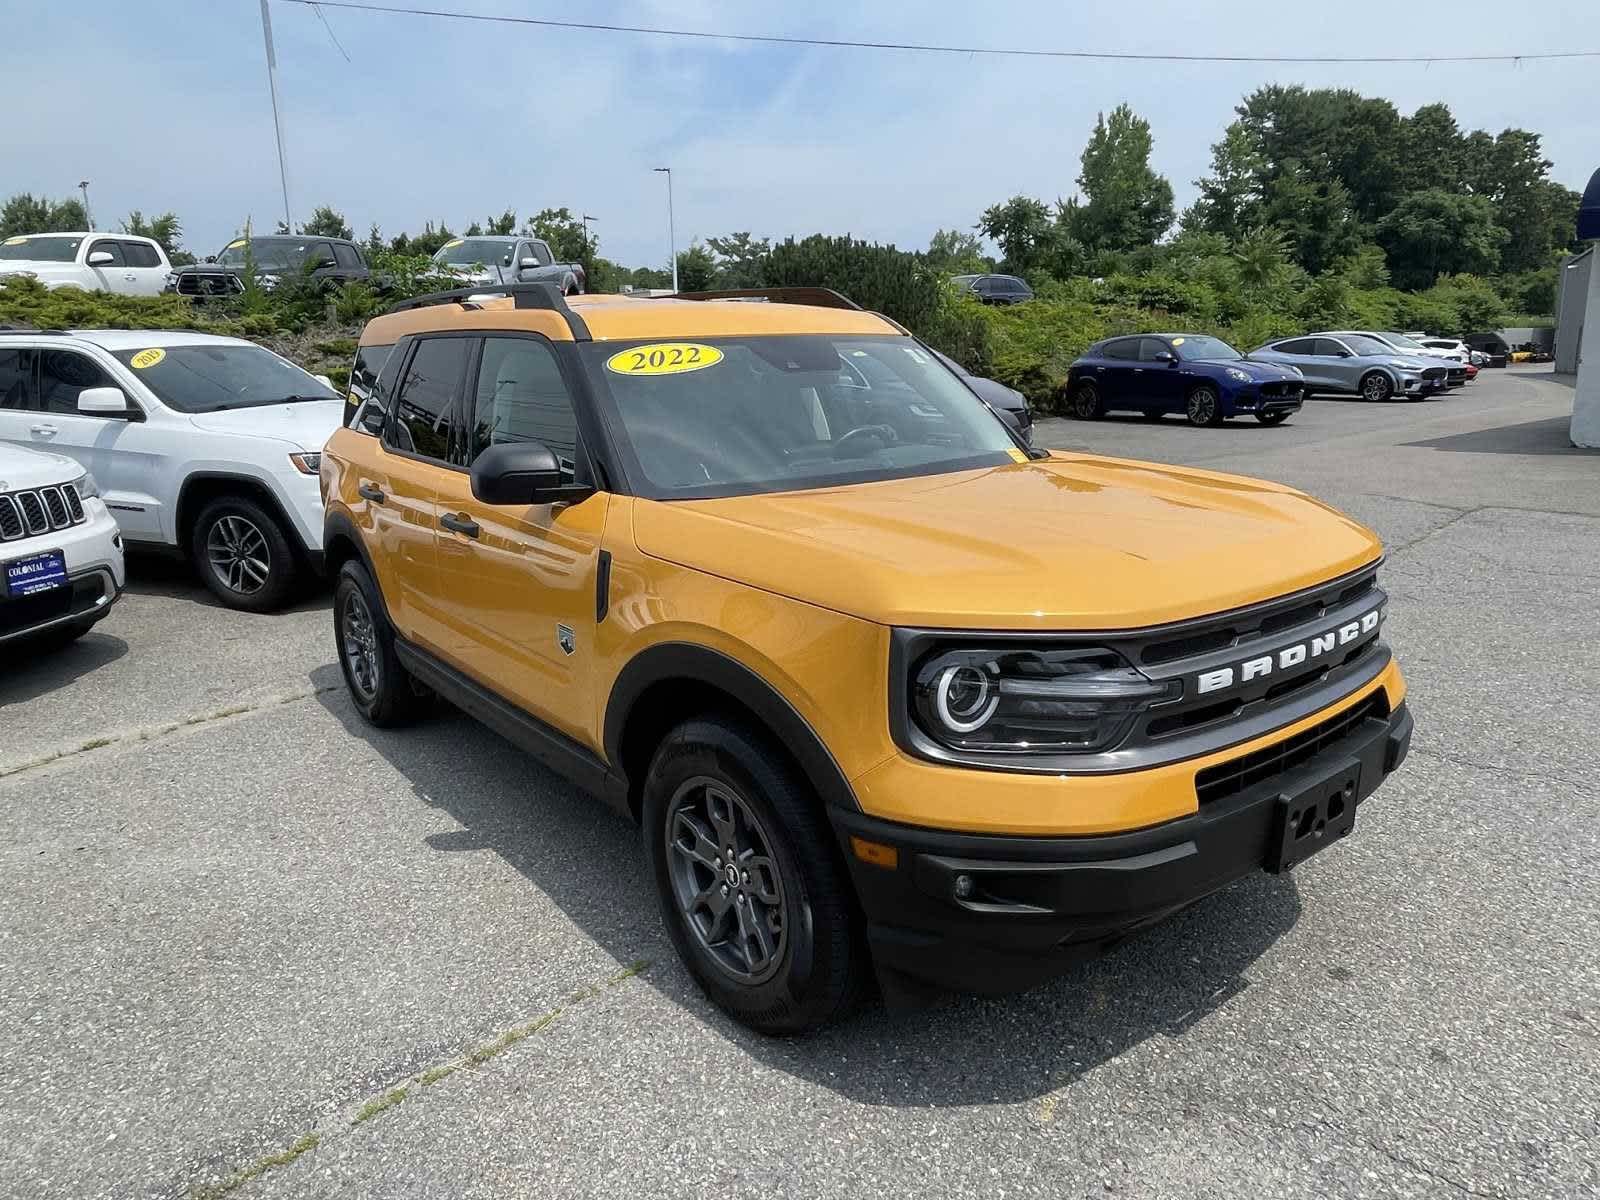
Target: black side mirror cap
{"x": 1166, "y": 356}
{"x": 522, "y": 473}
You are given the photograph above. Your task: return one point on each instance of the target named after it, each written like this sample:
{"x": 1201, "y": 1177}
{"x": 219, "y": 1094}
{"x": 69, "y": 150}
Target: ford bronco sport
{"x": 689, "y": 554}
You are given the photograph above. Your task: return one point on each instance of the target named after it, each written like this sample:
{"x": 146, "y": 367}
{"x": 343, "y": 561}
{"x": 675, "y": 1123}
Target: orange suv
{"x": 729, "y": 562}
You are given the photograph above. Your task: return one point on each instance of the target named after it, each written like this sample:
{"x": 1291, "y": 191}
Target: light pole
{"x": 672, "y": 235}
{"x": 88, "y": 219}
{"x": 277, "y": 121}
{"x": 586, "y": 218}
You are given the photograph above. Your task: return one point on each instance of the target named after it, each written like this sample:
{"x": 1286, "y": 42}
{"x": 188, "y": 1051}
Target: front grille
{"x": 39, "y": 510}
{"x": 1284, "y": 390}
{"x": 215, "y": 283}
{"x": 1263, "y": 621}
{"x": 1231, "y": 778}
{"x": 1433, "y": 374}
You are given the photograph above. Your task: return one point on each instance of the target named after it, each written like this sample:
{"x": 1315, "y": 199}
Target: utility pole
{"x": 672, "y": 234}
{"x": 586, "y": 218}
{"x": 277, "y": 120}
{"x": 88, "y": 218}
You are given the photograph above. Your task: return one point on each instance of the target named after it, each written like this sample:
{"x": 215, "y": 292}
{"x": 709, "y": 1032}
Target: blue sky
{"x": 163, "y": 104}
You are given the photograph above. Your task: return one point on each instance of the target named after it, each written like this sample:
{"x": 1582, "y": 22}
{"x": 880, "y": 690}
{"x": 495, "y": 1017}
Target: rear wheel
{"x": 1086, "y": 402}
{"x": 243, "y": 555}
{"x": 754, "y": 896}
{"x": 1376, "y": 386}
{"x": 1204, "y": 406}
{"x": 381, "y": 689}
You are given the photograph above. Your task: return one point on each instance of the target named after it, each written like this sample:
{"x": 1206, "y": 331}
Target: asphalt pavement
{"x": 250, "y": 947}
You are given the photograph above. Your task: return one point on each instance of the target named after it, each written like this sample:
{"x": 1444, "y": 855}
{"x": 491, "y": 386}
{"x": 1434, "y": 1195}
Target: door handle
{"x": 368, "y": 491}
{"x": 131, "y": 278}
{"x": 462, "y": 524}
{"x": 47, "y": 431}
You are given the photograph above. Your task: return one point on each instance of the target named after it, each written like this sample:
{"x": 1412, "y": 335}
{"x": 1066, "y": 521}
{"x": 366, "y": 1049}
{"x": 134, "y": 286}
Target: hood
{"x": 42, "y": 268}
{"x": 306, "y": 423}
{"x": 20, "y": 468}
{"x": 1260, "y": 372}
{"x": 1069, "y": 542}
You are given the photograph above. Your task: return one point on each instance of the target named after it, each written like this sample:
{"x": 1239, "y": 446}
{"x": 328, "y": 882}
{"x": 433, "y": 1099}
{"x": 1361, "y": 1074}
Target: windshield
{"x": 269, "y": 256}
{"x": 1401, "y": 341}
{"x": 1208, "y": 349}
{"x": 742, "y": 416}
{"x": 40, "y": 249}
{"x": 210, "y": 378}
{"x": 1362, "y": 344}
{"x": 466, "y": 252}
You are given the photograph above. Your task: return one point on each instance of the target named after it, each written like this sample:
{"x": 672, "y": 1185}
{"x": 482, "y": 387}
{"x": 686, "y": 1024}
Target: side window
{"x": 541, "y": 251}
{"x": 428, "y": 390}
{"x": 1123, "y": 351}
{"x": 1328, "y": 348}
{"x": 140, "y": 254}
{"x": 16, "y": 367}
{"x": 1297, "y": 346}
{"x": 1150, "y": 347}
{"x": 320, "y": 253}
{"x": 62, "y": 375}
{"x": 364, "y": 377}
{"x": 521, "y": 397}
{"x": 346, "y": 256}
{"x": 112, "y": 248}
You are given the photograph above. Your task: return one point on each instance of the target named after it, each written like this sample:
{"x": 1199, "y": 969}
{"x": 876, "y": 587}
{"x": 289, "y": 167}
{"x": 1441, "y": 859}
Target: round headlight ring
{"x": 965, "y": 697}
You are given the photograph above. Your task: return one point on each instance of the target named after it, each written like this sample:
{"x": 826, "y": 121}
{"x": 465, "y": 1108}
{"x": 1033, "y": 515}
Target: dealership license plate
{"x": 36, "y": 573}
{"x": 1315, "y": 817}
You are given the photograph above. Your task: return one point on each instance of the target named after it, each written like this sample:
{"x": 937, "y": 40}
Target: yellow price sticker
{"x": 14, "y": 241}
{"x": 664, "y": 358}
{"x": 452, "y": 245}
{"x": 1017, "y": 455}
{"x": 1177, "y": 341}
{"x": 234, "y": 245}
{"x": 147, "y": 358}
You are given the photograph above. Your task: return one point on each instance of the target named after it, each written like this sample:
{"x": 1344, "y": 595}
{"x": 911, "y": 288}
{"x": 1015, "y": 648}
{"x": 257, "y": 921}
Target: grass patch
{"x": 379, "y": 1104}
{"x": 260, "y": 1167}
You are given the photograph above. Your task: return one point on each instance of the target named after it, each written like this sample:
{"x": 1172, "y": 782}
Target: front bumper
{"x": 987, "y": 913}
{"x": 92, "y": 553}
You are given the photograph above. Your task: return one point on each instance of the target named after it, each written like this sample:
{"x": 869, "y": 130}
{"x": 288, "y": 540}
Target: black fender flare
{"x": 337, "y": 526}
{"x": 703, "y": 665}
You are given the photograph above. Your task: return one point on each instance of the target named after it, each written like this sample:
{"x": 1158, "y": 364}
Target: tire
{"x": 1277, "y": 418}
{"x": 715, "y": 780}
{"x": 380, "y": 688}
{"x": 1376, "y": 386}
{"x": 241, "y": 552}
{"x": 1204, "y": 406}
{"x": 1086, "y": 402}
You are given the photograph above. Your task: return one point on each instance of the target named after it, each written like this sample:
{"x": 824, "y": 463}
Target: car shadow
{"x": 962, "y": 1050}
{"x": 34, "y": 667}
{"x": 153, "y": 574}
{"x": 1552, "y": 436}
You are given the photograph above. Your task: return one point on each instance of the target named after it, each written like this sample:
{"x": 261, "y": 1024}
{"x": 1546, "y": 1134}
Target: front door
{"x": 1160, "y": 382}
{"x": 1339, "y": 365}
{"x": 521, "y": 579}
{"x": 116, "y": 275}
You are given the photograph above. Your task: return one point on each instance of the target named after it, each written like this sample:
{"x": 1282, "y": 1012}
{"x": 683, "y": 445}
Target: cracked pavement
{"x": 236, "y": 921}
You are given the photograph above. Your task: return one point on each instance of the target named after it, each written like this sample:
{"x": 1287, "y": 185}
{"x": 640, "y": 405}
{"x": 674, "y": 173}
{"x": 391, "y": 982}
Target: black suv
{"x": 332, "y": 260}
{"x": 994, "y": 289}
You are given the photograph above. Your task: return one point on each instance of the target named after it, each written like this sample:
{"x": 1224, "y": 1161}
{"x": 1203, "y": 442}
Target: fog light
{"x": 963, "y": 886}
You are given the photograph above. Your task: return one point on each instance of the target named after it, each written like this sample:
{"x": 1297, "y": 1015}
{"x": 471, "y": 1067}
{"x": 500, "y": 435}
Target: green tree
{"x": 1434, "y": 153}
{"x": 1126, "y": 204}
{"x": 1232, "y": 195}
{"x": 165, "y": 229}
{"x": 952, "y": 252}
{"x": 1436, "y": 232}
{"x": 326, "y": 221}
{"x": 1315, "y": 215}
{"x": 883, "y": 278}
{"x": 1261, "y": 254}
{"x": 26, "y": 213}
{"x": 1331, "y": 135}
{"x": 502, "y": 226}
{"x": 374, "y": 242}
{"x": 1023, "y": 229}
{"x": 739, "y": 259}
{"x": 697, "y": 270}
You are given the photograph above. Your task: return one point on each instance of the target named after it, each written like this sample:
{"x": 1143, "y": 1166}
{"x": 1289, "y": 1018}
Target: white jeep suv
{"x": 205, "y": 446}
{"x": 60, "y": 553}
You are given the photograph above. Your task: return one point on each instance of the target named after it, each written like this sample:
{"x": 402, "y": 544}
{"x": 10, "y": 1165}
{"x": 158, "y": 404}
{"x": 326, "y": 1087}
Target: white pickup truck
{"x": 105, "y": 262}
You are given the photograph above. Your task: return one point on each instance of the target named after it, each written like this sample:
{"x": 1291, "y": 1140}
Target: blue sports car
{"x": 1202, "y": 377}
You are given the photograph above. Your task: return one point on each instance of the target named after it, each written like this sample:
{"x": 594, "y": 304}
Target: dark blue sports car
{"x": 1202, "y": 377}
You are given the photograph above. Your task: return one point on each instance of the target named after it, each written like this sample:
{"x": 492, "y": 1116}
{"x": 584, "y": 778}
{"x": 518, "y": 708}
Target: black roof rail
{"x": 523, "y": 295}
{"x": 818, "y": 297}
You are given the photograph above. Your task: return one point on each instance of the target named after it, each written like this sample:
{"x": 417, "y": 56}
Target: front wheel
{"x": 243, "y": 555}
{"x": 1086, "y": 402}
{"x": 1204, "y": 406}
{"x": 381, "y": 689}
{"x": 749, "y": 881}
{"x": 1273, "y": 418}
{"x": 1376, "y": 386}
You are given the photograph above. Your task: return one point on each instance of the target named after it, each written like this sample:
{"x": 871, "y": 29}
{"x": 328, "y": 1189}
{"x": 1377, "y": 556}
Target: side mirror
{"x": 103, "y": 402}
{"x": 326, "y": 264}
{"x": 101, "y": 258}
{"x": 324, "y": 381}
{"x": 522, "y": 473}
{"x": 1166, "y": 356}
{"x": 528, "y": 262}
{"x": 211, "y": 258}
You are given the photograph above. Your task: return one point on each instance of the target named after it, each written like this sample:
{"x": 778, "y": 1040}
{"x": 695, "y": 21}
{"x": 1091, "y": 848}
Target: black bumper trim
{"x": 1034, "y": 905}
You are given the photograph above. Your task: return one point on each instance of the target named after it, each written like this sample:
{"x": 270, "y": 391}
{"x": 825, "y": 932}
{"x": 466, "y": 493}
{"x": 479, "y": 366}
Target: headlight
{"x": 1074, "y": 700}
{"x": 1238, "y": 376}
{"x": 86, "y": 486}
{"x": 307, "y": 462}
{"x": 1403, "y": 364}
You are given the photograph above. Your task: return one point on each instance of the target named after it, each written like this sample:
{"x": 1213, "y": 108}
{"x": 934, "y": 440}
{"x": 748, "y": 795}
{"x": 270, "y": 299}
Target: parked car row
{"x": 1209, "y": 381}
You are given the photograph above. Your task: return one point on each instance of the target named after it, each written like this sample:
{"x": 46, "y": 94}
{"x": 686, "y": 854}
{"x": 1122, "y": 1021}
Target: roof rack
{"x": 818, "y": 297}
{"x": 523, "y": 295}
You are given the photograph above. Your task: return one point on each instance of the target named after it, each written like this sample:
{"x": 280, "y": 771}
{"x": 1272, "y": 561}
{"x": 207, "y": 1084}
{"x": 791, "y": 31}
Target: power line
{"x": 335, "y": 37}
{"x": 934, "y": 48}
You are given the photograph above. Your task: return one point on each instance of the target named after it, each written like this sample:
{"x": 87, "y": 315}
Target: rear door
{"x": 350, "y": 266}
{"x": 1118, "y": 361}
{"x": 1302, "y": 353}
{"x": 520, "y": 580}
{"x": 145, "y": 265}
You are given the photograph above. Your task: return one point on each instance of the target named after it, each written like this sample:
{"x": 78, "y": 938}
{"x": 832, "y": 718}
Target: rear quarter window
{"x": 366, "y": 378}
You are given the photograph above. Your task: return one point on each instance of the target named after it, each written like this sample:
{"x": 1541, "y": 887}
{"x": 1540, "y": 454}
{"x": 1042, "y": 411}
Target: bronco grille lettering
{"x": 1288, "y": 656}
